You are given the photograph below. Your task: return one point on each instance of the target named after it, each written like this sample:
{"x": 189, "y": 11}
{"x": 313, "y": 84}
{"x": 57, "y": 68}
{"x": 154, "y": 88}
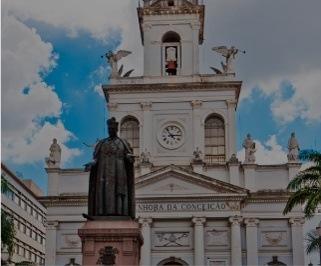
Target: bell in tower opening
{"x": 171, "y": 56}
{"x": 171, "y": 60}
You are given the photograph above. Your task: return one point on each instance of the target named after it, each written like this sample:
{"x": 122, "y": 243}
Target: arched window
{"x": 214, "y": 140}
{"x": 171, "y": 51}
{"x": 129, "y": 130}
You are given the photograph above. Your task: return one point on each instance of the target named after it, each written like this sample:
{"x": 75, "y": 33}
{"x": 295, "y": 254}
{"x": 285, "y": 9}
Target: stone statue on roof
{"x": 113, "y": 58}
{"x": 293, "y": 147}
{"x": 53, "y": 161}
{"x": 230, "y": 55}
{"x": 250, "y": 149}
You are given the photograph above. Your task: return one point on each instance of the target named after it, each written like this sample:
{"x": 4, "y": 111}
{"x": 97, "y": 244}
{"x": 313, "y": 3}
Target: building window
{"x": 129, "y": 130}
{"x": 214, "y": 140}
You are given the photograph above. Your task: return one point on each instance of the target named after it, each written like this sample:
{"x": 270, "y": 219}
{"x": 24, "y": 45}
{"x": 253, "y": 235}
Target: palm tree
{"x": 306, "y": 185}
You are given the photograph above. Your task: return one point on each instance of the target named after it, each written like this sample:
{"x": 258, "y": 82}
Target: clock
{"x": 171, "y": 136}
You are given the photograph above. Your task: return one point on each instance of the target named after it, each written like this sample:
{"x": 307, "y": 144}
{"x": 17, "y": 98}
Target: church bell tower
{"x": 173, "y": 114}
{"x": 171, "y": 32}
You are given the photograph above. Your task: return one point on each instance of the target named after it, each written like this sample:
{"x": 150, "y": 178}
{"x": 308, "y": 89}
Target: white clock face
{"x": 171, "y": 136}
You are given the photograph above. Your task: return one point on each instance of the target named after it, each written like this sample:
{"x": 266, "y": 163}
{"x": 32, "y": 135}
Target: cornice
{"x": 268, "y": 196}
{"x": 190, "y": 9}
{"x": 164, "y": 87}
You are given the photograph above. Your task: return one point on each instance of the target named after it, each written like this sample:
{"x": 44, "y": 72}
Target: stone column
{"x": 51, "y": 242}
{"x": 251, "y": 241}
{"x": 236, "y": 248}
{"x": 297, "y": 240}
{"x": 145, "y": 253}
{"x": 199, "y": 248}
{"x": 231, "y": 138}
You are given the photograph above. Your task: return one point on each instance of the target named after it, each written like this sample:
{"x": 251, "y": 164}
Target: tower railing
{"x": 210, "y": 159}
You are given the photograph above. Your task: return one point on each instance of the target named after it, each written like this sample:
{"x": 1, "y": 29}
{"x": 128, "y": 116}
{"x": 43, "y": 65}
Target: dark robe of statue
{"x": 111, "y": 180}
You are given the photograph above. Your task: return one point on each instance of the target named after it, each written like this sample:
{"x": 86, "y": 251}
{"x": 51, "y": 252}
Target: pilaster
{"x": 53, "y": 181}
{"x": 297, "y": 240}
{"x": 196, "y": 117}
{"x": 234, "y": 170}
{"x": 231, "y": 105}
{"x": 199, "y": 254}
{"x": 51, "y": 242}
{"x": 251, "y": 241}
{"x": 145, "y": 257}
{"x": 249, "y": 176}
{"x": 293, "y": 169}
{"x": 236, "y": 248}
{"x": 147, "y": 125}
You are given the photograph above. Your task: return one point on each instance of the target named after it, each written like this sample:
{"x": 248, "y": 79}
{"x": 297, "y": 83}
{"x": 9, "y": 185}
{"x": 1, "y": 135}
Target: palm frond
{"x": 297, "y": 198}
{"x": 311, "y": 155}
{"x": 313, "y": 242}
{"x": 304, "y": 179}
{"x": 306, "y": 185}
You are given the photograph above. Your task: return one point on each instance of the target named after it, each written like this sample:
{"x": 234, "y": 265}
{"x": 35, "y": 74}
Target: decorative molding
{"x": 233, "y": 160}
{"x": 146, "y": 106}
{"x": 165, "y": 87}
{"x": 251, "y": 222}
{"x": 145, "y": 221}
{"x": 231, "y": 103}
{"x": 72, "y": 241}
{"x": 172, "y": 239}
{"x": 235, "y": 220}
{"x": 234, "y": 205}
{"x": 196, "y": 104}
{"x": 198, "y": 221}
{"x": 217, "y": 237}
{"x": 107, "y": 256}
{"x": 296, "y": 221}
{"x": 112, "y": 106}
{"x": 52, "y": 225}
{"x": 273, "y": 238}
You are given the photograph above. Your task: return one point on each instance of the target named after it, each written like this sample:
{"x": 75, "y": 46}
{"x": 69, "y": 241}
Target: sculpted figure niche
{"x": 111, "y": 181}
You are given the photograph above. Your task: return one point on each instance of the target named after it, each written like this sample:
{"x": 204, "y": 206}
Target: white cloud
{"x": 99, "y": 90}
{"x": 305, "y": 102}
{"x": 269, "y": 152}
{"x": 35, "y": 147}
{"x": 26, "y": 98}
{"x": 101, "y": 18}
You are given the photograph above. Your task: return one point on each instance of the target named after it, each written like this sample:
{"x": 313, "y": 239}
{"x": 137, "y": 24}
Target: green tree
{"x": 7, "y": 225}
{"x": 306, "y": 185}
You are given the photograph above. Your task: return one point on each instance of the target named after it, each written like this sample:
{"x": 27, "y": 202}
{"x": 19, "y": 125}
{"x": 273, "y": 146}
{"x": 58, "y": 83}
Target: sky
{"x": 52, "y": 73}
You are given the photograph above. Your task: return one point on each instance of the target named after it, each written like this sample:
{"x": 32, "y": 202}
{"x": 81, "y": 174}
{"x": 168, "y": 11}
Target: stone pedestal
{"x": 117, "y": 242}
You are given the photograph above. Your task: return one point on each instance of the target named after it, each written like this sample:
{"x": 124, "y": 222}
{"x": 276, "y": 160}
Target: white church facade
{"x": 196, "y": 202}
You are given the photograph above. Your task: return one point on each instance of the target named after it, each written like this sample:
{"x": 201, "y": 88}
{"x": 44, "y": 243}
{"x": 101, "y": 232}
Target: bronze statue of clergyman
{"x": 111, "y": 180}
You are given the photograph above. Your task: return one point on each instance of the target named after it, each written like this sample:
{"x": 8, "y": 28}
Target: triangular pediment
{"x": 174, "y": 181}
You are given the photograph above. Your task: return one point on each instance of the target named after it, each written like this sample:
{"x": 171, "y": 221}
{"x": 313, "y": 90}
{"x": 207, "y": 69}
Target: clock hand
{"x": 169, "y": 133}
